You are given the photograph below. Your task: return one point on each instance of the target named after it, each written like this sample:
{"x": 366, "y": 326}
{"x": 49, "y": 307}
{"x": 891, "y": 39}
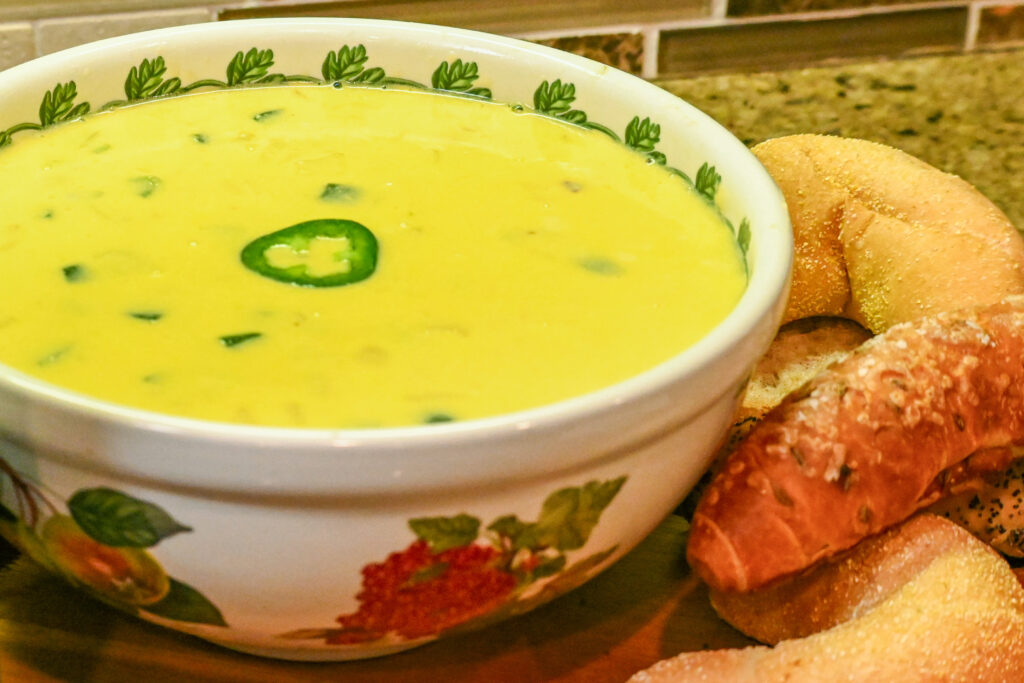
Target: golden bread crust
{"x": 842, "y": 588}
{"x": 883, "y": 238}
{"x": 953, "y": 610}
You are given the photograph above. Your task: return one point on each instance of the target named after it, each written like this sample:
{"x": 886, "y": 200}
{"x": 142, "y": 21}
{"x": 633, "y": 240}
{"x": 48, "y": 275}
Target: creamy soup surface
{"x": 518, "y": 260}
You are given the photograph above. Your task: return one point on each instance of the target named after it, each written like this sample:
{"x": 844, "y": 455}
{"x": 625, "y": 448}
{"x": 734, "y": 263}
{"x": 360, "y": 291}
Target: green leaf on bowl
{"x": 249, "y": 67}
{"x": 549, "y": 567}
{"x": 554, "y": 98}
{"x": 185, "y": 603}
{"x": 574, "y": 116}
{"x": 642, "y": 135}
{"x": 458, "y": 76}
{"x": 372, "y": 76}
{"x": 657, "y": 157}
{"x": 442, "y": 533}
{"x": 743, "y": 235}
{"x": 573, "y": 576}
{"x": 344, "y": 64}
{"x": 146, "y": 80}
{"x": 708, "y": 181}
{"x": 117, "y": 519}
{"x": 511, "y": 528}
{"x": 570, "y": 514}
{"x": 59, "y": 105}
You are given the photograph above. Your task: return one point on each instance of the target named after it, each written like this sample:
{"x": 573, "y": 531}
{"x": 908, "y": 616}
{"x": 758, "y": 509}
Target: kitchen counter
{"x": 964, "y": 114}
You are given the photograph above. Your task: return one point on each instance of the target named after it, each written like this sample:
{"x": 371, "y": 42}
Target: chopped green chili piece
{"x": 264, "y": 115}
{"x": 145, "y": 185}
{"x": 230, "y": 340}
{"x": 601, "y": 266}
{"x": 328, "y": 252}
{"x": 53, "y": 356}
{"x": 75, "y": 272}
{"x": 336, "y": 192}
{"x": 438, "y": 418}
{"x": 148, "y": 316}
{"x": 200, "y": 138}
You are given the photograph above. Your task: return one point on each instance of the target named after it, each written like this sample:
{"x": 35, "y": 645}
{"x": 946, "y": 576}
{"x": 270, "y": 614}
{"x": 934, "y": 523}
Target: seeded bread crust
{"x": 992, "y": 511}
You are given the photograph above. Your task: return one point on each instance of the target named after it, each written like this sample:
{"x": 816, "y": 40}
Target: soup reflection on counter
{"x": 354, "y": 258}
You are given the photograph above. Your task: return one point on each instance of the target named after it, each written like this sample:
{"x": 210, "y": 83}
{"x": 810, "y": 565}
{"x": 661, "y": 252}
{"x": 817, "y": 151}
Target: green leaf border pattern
{"x": 349, "y": 64}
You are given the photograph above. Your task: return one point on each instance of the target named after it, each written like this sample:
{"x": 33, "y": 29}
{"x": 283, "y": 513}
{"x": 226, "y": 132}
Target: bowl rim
{"x": 768, "y": 279}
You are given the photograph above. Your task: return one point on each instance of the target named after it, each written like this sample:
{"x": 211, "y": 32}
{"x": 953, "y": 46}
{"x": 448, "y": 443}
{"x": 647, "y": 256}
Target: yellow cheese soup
{"x": 347, "y": 258}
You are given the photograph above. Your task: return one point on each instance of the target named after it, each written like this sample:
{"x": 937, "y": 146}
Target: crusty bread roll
{"x": 865, "y": 444}
{"x": 948, "y": 609}
{"x": 882, "y": 237}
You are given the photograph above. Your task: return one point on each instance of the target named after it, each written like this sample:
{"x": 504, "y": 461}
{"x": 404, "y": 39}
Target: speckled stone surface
{"x": 963, "y": 114}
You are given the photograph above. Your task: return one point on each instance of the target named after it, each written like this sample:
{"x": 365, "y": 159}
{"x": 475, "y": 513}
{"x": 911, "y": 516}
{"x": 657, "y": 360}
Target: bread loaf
{"x": 865, "y": 444}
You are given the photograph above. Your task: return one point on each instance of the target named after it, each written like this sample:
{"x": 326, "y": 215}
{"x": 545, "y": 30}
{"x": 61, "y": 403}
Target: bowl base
{"x": 319, "y": 654}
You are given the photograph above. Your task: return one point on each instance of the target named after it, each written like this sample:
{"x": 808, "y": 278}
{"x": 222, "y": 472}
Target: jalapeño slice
{"x": 328, "y": 252}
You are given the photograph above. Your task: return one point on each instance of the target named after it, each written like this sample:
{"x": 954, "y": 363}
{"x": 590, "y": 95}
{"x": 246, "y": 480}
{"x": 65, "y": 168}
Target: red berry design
{"x": 417, "y": 593}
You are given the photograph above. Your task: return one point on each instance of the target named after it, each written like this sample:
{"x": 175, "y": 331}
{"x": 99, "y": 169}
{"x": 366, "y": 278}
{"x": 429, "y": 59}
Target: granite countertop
{"x": 963, "y": 114}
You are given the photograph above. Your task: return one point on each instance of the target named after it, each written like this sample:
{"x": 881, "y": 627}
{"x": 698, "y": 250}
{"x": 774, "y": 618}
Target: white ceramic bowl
{"x": 257, "y": 538}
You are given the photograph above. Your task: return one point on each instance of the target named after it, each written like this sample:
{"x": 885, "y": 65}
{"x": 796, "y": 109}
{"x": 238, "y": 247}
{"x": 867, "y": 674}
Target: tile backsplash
{"x": 651, "y": 38}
